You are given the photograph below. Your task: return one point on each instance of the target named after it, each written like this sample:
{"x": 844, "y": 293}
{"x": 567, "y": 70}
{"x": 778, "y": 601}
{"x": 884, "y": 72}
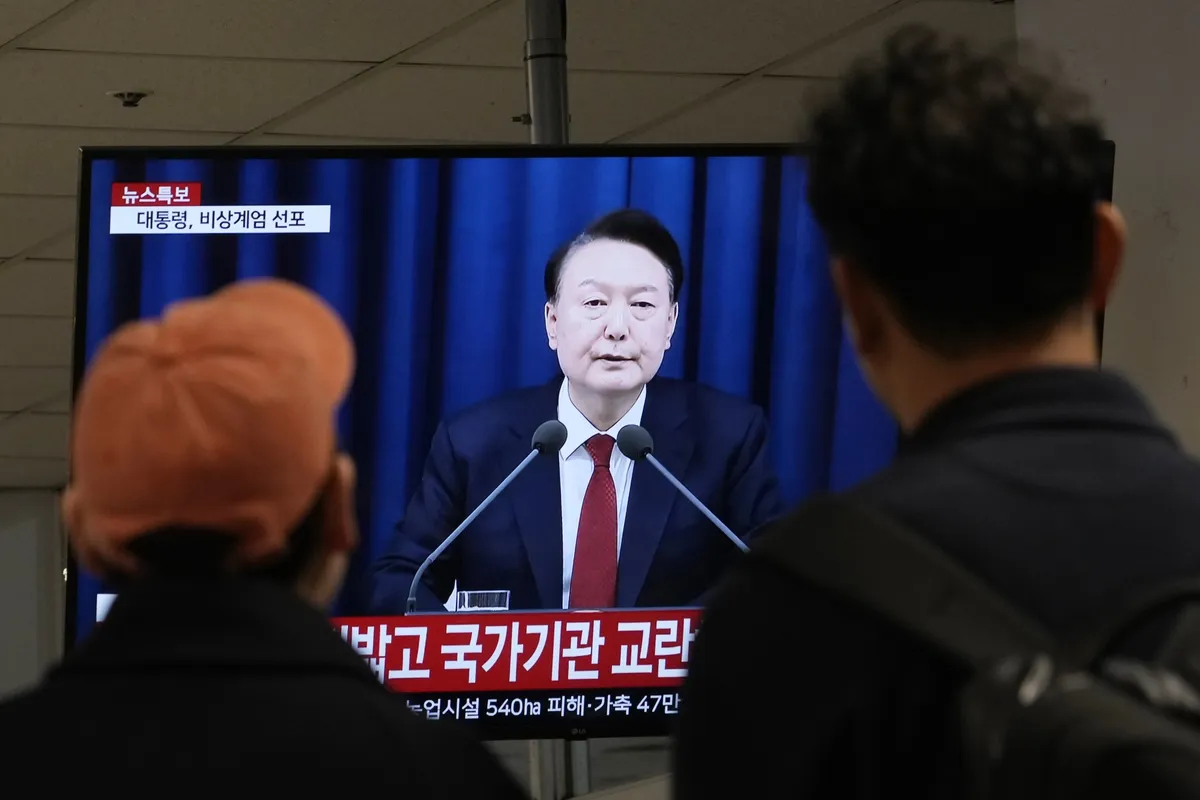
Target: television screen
{"x": 678, "y": 297}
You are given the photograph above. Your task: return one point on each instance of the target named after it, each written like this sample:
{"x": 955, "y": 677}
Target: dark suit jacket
{"x": 1058, "y": 487}
{"x": 670, "y": 553}
{"x": 209, "y": 677}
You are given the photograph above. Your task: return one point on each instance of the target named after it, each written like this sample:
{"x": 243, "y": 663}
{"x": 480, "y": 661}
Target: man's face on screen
{"x": 613, "y": 318}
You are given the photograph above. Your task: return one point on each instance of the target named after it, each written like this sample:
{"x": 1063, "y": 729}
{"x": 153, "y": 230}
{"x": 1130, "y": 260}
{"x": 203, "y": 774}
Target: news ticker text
{"x": 219, "y": 219}
{"x": 576, "y": 706}
{"x": 508, "y": 715}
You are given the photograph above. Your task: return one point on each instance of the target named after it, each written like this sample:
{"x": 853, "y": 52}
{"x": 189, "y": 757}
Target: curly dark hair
{"x": 963, "y": 186}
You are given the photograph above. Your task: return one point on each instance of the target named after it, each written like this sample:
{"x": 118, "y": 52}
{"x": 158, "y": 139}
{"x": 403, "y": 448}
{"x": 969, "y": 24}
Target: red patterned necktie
{"x": 594, "y": 575}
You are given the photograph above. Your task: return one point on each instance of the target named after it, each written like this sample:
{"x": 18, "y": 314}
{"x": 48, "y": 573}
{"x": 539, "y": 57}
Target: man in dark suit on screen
{"x": 590, "y": 529}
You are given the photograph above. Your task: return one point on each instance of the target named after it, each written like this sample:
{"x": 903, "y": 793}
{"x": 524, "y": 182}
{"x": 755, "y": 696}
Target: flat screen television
{"x": 437, "y": 259}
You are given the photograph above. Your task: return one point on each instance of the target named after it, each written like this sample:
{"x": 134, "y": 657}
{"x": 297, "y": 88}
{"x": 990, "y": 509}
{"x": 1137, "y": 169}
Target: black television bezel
{"x": 284, "y": 153}
{"x": 88, "y": 155}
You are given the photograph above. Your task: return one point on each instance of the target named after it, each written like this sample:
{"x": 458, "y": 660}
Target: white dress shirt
{"x": 575, "y": 471}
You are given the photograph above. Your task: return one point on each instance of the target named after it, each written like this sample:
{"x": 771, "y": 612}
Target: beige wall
{"x": 32, "y": 591}
{"x": 1140, "y": 61}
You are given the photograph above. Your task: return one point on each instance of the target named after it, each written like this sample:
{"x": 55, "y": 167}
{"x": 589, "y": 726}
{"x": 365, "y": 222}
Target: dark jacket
{"x": 207, "y": 676}
{"x": 1058, "y": 487}
{"x": 671, "y": 555}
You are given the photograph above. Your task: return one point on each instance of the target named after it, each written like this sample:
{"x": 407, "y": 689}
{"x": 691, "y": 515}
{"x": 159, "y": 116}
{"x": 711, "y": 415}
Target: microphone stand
{"x": 721, "y": 526}
{"x": 411, "y": 604}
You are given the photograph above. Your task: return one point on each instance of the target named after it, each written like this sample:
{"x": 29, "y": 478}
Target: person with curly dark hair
{"x": 962, "y": 198}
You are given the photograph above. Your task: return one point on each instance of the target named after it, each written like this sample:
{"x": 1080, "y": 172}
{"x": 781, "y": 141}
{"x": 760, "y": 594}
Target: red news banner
{"x": 155, "y": 194}
{"x": 531, "y": 651}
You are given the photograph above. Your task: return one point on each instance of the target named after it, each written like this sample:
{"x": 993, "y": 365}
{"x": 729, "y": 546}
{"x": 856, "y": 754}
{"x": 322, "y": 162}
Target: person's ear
{"x": 1108, "y": 253}
{"x": 321, "y": 580}
{"x": 862, "y": 307}
{"x": 551, "y": 325}
{"x": 93, "y": 556}
{"x": 672, "y": 321}
{"x": 72, "y": 520}
{"x": 70, "y": 509}
{"x": 340, "y": 523}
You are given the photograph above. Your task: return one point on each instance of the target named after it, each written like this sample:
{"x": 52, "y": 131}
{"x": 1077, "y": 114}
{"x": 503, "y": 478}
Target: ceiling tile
{"x": 36, "y": 341}
{"x": 58, "y": 404}
{"x": 39, "y": 473}
{"x": 18, "y": 16}
{"x": 26, "y": 221}
{"x": 764, "y": 110}
{"x": 984, "y": 24}
{"x": 194, "y": 94}
{"x": 643, "y": 97}
{"x": 331, "y": 30}
{"x": 29, "y": 387}
{"x": 60, "y": 249}
{"x": 466, "y": 104}
{"x": 408, "y": 102}
{"x": 37, "y": 288}
{"x": 493, "y": 40}
{"x": 43, "y": 160}
{"x": 691, "y": 36}
{"x": 34, "y": 435}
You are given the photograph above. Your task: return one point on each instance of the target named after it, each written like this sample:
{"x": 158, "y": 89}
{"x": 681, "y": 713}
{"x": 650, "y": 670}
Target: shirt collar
{"x": 1042, "y": 398}
{"x": 579, "y": 429}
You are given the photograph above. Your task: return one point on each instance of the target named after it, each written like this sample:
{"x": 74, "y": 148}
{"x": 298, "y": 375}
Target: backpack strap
{"x": 874, "y": 562}
{"x": 1183, "y": 642}
{"x": 1181, "y": 654}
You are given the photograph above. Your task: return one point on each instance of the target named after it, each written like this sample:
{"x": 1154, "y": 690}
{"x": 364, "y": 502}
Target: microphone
{"x": 548, "y": 438}
{"x": 637, "y": 444}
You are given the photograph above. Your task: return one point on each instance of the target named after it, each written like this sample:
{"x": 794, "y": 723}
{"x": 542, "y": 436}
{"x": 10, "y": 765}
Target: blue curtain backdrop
{"x": 436, "y": 265}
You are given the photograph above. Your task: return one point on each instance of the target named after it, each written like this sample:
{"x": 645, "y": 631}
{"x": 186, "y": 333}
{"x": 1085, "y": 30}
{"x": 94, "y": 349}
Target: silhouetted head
{"x": 204, "y": 443}
{"x": 961, "y": 197}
